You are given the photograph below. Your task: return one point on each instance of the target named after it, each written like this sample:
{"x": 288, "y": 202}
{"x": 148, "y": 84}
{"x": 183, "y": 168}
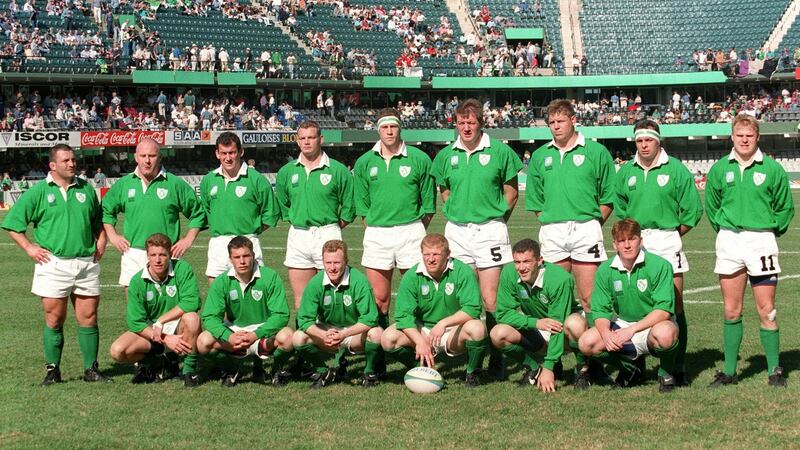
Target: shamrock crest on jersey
{"x": 162, "y": 193}
{"x": 449, "y": 288}
{"x": 544, "y": 299}
{"x": 758, "y": 178}
{"x": 347, "y": 300}
{"x": 405, "y": 171}
{"x": 80, "y": 196}
{"x": 662, "y": 180}
{"x": 325, "y": 178}
{"x": 484, "y": 158}
{"x": 578, "y": 160}
{"x": 642, "y": 285}
{"x": 240, "y": 190}
{"x": 257, "y": 294}
{"x": 172, "y": 290}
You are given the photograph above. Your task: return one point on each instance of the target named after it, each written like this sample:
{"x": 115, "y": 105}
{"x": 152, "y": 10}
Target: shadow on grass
{"x": 757, "y": 364}
{"x": 698, "y": 362}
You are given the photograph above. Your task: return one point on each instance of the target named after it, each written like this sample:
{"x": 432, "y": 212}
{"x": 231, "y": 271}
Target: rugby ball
{"x": 423, "y": 380}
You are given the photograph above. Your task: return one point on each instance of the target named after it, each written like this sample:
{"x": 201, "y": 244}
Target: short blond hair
{"x": 435, "y": 240}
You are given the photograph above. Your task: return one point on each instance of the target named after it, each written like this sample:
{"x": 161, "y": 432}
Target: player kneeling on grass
{"x": 536, "y": 310}
{"x": 163, "y": 301}
{"x": 338, "y": 314}
{"x": 632, "y": 303}
{"x": 245, "y": 315}
{"x": 437, "y": 312}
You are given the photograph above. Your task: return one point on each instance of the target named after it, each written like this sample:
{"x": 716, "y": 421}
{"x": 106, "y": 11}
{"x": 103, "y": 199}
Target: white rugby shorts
{"x": 132, "y": 261}
{"x": 483, "y": 245}
{"x": 579, "y": 241}
{"x": 668, "y": 245}
{"x": 388, "y": 247}
{"x": 62, "y": 277}
{"x": 755, "y": 250}
{"x": 304, "y": 245}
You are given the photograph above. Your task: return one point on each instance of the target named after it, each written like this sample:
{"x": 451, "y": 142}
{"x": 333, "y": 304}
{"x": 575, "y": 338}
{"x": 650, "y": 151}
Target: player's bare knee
{"x": 300, "y": 338}
{"x": 475, "y": 330}
{"x": 500, "y": 335}
{"x": 205, "y": 343}
{"x": 191, "y": 323}
{"x": 117, "y": 352}
{"x": 374, "y": 335}
{"x": 575, "y": 326}
{"x": 665, "y": 334}
{"x": 589, "y": 342}
{"x": 390, "y": 337}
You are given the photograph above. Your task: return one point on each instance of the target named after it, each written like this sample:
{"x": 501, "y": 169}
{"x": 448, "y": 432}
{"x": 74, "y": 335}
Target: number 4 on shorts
{"x": 595, "y": 250}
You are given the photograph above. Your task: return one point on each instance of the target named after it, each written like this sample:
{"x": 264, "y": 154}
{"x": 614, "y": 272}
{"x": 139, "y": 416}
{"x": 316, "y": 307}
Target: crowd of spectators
{"x": 155, "y": 110}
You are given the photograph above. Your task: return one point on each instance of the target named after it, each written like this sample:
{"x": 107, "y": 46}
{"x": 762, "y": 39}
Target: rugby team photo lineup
{"x": 472, "y": 291}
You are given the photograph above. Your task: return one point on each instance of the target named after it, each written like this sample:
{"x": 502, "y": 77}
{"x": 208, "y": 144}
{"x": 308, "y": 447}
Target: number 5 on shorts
{"x": 495, "y": 252}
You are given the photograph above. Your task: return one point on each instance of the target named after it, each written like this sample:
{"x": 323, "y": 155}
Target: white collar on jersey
{"x": 242, "y": 171}
{"x": 161, "y": 173}
{"x": 758, "y": 157}
{"x": 146, "y": 273}
{"x": 50, "y": 179}
{"x": 617, "y": 262}
{"x": 579, "y": 142}
{"x": 256, "y": 274}
{"x": 326, "y": 281}
{"x": 324, "y": 161}
{"x": 484, "y": 143}
{"x": 662, "y": 159}
{"x": 424, "y": 270}
{"x": 539, "y": 281}
{"x": 377, "y": 148}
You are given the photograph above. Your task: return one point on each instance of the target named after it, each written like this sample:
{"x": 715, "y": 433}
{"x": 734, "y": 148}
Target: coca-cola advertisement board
{"x": 119, "y": 138}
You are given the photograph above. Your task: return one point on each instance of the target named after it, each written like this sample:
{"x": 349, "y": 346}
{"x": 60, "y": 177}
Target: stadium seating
{"x": 235, "y": 36}
{"x": 625, "y": 36}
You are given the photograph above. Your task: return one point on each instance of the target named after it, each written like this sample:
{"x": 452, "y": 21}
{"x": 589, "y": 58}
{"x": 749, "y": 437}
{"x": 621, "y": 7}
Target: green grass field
{"x": 75, "y": 414}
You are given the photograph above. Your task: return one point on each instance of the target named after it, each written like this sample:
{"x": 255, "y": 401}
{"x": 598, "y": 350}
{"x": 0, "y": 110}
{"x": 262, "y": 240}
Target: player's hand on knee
{"x": 38, "y": 254}
{"x": 177, "y": 344}
{"x": 550, "y": 325}
{"x": 435, "y": 336}
{"x": 547, "y": 380}
{"x": 622, "y": 336}
{"x": 609, "y": 342}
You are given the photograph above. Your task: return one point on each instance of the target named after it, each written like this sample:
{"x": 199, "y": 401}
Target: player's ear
{"x": 321, "y": 138}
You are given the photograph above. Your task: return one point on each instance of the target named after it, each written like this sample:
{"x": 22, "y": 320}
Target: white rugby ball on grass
{"x": 423, "y": 380}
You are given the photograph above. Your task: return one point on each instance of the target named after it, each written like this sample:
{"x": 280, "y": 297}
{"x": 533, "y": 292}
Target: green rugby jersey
{"x": 633, "y": 295}
{"x": 65, "y": 227}
{"x": 351, "y": 302}
{"x": 320, "y": 197}
{"x": 149, "y": 299}
{"x": 394, "y": 192}
{"x": 239, "y": 206}
{"x": 421, "y": 299}
{"x": 475, "y": 180}
{"x": 262, "y": 300}
{"x": 757, "y": 198}
{"x": 663, "y": 197}
{"x": 570, "y": 185}
{"x": 551, "y": 296}
{"x": 154, "y": 210}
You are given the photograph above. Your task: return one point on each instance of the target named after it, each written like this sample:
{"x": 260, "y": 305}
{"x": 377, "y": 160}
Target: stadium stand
{"x": 620, "y": 38}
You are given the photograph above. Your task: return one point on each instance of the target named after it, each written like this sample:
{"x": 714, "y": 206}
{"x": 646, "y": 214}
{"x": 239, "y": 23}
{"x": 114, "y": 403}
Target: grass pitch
{"x": 75, "y": 414}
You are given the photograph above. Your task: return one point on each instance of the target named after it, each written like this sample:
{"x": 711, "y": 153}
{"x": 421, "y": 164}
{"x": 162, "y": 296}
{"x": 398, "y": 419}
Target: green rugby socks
{"x": 731, "y": 340}
{"x": 53, "y": 342}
